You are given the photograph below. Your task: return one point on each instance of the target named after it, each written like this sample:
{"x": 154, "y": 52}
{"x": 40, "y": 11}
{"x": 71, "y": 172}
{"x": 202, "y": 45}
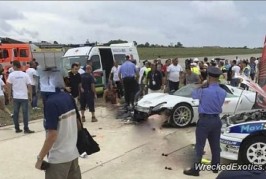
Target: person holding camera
{"x": 211, "y": 98}
{"x": 60, "y": 145}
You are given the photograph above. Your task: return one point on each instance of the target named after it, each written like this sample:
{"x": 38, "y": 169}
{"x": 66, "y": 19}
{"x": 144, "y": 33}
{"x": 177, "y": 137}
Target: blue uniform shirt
{"x": 211, "y": 99}
{"x": 128, "y": 69}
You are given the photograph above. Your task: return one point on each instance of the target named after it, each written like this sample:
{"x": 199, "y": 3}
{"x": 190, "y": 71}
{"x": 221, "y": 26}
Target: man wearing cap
{"x": 195, "y": 66}
{"x": 211, "y": 98}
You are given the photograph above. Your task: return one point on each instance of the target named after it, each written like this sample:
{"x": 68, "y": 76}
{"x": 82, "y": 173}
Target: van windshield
{"x": 68, "y": 61}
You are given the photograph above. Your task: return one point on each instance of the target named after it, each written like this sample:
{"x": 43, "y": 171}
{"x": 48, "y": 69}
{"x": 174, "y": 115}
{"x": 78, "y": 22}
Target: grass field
{"x": 152, "y": 53}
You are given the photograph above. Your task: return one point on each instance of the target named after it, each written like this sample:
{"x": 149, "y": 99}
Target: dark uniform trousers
{"x": 130, "y": 89}
{"x": 208, "y": 127}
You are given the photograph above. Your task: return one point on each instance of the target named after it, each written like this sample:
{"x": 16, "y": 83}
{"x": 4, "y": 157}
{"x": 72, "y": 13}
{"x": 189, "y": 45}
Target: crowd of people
{"x": 126, "y": 81}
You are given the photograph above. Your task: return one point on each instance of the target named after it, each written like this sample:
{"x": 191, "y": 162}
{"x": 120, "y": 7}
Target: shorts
{"x": 68, "y": 170}
{"x": 87, "y": 100}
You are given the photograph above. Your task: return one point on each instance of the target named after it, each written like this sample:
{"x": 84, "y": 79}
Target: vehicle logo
{"x": 76, "y": 51}
{"x": 228, "y": 142}
{"x": 248, "y": 128}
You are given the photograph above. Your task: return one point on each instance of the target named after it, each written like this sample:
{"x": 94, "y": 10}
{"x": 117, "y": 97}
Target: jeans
{"x": 25, "y": 109}
{"x": 34, "y": 97}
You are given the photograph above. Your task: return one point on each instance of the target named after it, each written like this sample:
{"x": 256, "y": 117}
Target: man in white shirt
{"x": 33, "y": 74}
{"x": 140, "y": 93}
{"x": 174, "y": 72}
{"x": 116, "y": 80}
{"x": 20, "y": 84}
{"x": 235, "y": 73}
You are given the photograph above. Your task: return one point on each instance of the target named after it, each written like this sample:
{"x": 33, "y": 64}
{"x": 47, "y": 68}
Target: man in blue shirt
{"x": 127, "y": 74}
{"x": 211, "y": 98}
{"x": 61, "y": 134}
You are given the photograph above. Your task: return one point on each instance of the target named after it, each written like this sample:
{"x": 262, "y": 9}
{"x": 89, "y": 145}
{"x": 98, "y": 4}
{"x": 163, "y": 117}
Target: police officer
{"x": 127, "y": 74}
{"x": 211, "y": 98}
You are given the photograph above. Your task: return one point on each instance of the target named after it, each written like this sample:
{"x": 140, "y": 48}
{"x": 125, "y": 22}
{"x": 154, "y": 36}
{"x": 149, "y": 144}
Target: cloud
{"x": 197, "y": 23}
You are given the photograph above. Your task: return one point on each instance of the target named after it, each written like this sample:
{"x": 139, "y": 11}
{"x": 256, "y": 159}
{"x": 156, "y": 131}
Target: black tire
{"x": 186, "y": 111}
{"x": 252, "y": 151}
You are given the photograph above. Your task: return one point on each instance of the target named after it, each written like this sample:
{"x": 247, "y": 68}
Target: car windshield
{"x": 185, "y": 91}
{"x": 68, "y": 61}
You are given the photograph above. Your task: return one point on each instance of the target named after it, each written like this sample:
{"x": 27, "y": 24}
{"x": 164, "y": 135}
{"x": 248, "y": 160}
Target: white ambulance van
{"x": 102, "y": 59}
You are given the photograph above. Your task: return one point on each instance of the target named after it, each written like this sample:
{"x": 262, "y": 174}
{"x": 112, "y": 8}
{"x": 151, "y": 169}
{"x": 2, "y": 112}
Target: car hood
{"x": 153, "y": 99}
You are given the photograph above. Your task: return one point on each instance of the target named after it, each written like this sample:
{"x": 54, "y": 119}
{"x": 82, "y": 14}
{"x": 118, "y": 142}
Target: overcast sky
{"x": 197, "y": 23}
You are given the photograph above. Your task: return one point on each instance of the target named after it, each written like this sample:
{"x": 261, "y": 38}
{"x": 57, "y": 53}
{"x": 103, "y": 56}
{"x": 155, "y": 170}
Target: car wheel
{"x": 182, "y": 115}
{"x": 253, "y": 151}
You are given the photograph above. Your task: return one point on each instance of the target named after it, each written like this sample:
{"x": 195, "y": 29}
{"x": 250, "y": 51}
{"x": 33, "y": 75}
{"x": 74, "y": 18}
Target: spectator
{"x": 203, "y": 71}
{"x": 141, "y": 81}
{"x": 116, "y": 80}
{"x": 127, "y": 75}
{"x": 165, "y": 66}
{"x": 195, "y": 66}
{"x": 155, "y": 80}
{"x": 175, "y": 72}
{"x": 253, "y": 69}
{"x": 110, "y": 94}
{"x": 245, "y": 71}
{"x": 205, "y": 60}
{"x": 33, "y": 74}
{"x": 192, "y": 78}
{"x": 61, "y": 136}
{"x": 235, "y": 73}
{"x": 2, "y": 73}
{"x": 20, "y": 84}
{"x": 88, "y": 94}
{"x": 222, "y": 77}
{"x": 80, "y": 70}
{"x": 229, "y": 73}
{"x": 2, "y": 99}
{"x": 74, "y": 79}
{"x": 227, "y": 65}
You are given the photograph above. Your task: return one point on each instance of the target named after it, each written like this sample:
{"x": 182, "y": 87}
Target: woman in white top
{"x": 2, "y": 98}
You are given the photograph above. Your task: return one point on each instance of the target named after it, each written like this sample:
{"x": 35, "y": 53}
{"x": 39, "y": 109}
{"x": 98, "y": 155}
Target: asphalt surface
{"x": 127, "y": 151}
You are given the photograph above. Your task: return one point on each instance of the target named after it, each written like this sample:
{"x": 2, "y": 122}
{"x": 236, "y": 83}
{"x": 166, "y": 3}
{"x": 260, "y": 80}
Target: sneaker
{"x": 83, "y": 119}
{"x": 18, "y": 130}
{"x": 28, "y": 131}
{"x": 94, "y": 119}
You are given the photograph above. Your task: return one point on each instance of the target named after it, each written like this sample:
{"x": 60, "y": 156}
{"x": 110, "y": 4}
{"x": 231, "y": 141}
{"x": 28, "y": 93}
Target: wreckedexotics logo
{"x": 231, "y": 166}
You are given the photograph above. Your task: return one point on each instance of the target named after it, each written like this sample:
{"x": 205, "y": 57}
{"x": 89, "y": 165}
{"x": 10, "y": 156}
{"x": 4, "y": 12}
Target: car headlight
{"x": 227, "y": 130}
{"x": 158, "y": 107}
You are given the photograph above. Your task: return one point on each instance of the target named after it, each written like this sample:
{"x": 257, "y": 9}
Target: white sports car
{"x": 243, "y": 137}
{"x": 184, "y": 109}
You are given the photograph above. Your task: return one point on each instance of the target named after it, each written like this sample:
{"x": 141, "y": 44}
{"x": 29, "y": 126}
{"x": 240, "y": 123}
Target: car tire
{"x": 179, "y": 121}
{"x": 252, "y": 151}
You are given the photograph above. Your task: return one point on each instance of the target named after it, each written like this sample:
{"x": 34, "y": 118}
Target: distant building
{"x": 6, "y": 40}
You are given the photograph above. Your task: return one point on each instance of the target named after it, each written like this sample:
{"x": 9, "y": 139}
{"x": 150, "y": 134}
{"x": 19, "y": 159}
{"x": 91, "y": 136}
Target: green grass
{"x": 152, "y": 53}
